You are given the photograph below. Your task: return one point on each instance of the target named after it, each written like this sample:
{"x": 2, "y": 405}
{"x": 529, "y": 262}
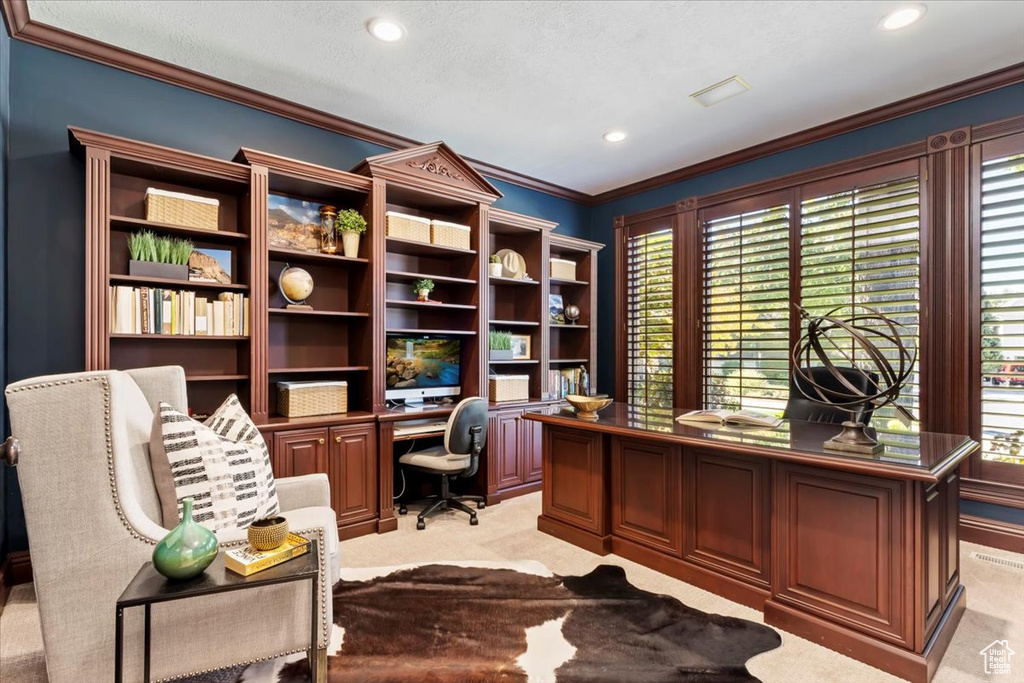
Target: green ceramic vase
{"x": 188, "y": 550}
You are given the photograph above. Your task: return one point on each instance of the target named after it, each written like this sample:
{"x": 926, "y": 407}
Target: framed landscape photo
{"x": 210, "y": 265}
{"x": 293, "y": 223}
{"x": 521, "y": 347}
{"x": 556, "y": 309}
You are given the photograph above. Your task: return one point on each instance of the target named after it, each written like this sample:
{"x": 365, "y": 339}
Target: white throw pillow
{"x": 222, "y": 464}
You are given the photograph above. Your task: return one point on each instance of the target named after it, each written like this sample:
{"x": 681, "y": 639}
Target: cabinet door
{"x": 647, "y": 483}
{"x": 505, "y": 438}
{"x": 300, "y": 451}
{"x": 352, "y": 470}
{"x": 531, "y": 449}
{"x": 574, "y": 478}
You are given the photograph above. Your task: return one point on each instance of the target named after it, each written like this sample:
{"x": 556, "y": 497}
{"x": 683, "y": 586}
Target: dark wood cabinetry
{"x": 352, "y": 468}
{"x": 647, "y": 492}
{"x": 299, "y": 452}
{"x": 512, "y": 458}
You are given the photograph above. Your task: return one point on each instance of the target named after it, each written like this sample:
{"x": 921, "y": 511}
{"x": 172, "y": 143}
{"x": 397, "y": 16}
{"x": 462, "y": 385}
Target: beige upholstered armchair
{"x": 90, "y": 505}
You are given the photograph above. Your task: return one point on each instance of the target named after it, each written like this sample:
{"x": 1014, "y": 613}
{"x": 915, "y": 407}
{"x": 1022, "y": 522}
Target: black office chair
{"x": 800, "y": 407}
{"x": 464, "y": 438}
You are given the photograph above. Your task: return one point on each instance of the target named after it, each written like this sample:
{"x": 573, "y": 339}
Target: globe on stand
{"x": 863, "y": 334}
{"x": 295, "y": 285}
{"x": 572, "y": 313}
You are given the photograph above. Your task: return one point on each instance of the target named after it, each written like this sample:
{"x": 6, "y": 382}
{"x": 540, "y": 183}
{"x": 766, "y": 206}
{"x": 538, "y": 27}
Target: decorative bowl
{"x": 269, "y": 533}
{"x": 587, "y": 406}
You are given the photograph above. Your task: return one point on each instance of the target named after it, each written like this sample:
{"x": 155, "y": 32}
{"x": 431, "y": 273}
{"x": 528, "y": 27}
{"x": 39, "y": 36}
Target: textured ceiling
{"x": 532, "y": 86}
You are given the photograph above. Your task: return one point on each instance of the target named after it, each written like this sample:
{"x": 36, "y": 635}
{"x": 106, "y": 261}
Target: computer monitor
{"x": 422, "y": 366}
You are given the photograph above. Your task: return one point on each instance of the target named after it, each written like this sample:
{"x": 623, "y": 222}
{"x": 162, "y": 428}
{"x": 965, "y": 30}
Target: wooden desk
{"x": 857, "y": 553}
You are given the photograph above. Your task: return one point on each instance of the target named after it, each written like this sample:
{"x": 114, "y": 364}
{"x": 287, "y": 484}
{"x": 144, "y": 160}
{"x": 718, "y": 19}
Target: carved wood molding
{"x": 519, "y": 220}
{"x": 437, "y": 166}
{"x": 951, "y": 139}
{"x": 303, "y": 169}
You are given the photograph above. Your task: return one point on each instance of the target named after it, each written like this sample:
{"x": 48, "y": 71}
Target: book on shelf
{"x": 247, "y": 560}
{"x": 740, "y": 418}
{"x": 568, "y": 381}
{"x": 154, "y": 310}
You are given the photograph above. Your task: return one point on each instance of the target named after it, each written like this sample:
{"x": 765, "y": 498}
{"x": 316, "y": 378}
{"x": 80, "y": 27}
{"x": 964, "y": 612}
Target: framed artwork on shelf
{"x": 293, "y": 223}
{"x": 210, "y": 265}
{"x": 521, "y": 347}
{"x": 556, "y": 309}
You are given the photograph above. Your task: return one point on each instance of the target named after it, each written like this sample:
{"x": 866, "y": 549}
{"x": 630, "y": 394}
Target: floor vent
{"x": 1015, "y": 564}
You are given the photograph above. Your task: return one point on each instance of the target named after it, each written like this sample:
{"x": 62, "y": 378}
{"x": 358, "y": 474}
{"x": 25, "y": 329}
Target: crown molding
{"x": 21, "y": 27}
{"x": 993, "y": 80}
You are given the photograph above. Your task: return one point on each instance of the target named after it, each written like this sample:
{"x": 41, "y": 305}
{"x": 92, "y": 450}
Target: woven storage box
{"x": 563, "y": 269}
{"x": 509, "y": 388}
{"x": 302, "y": 399}
{"x": 176, "y": 208}
{"x": 449, "y": 234}
{"x": 406, "y": 227}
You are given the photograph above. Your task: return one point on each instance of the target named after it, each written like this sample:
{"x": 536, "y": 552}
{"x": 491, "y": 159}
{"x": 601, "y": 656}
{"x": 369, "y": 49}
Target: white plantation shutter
{"x": 1002, "y": 311}
{"x": 649, "y": 318}
{"x": 862, "y": 244}
{"x": 746, "y": 309}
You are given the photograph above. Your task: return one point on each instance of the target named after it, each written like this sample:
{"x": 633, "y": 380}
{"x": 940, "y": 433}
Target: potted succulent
{"x": 495, "y": 265}
{"x": 423, "y": 288}
{"x": 350, "y": 224}
{"x": 162, "y": 257}
{"x": 500, "y": 345}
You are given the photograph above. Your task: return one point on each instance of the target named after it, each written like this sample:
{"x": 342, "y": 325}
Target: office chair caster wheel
{"x": 403, "y": 510}
{"x": 481, "y": 505}
{"x": 473, "y": 521}
{"x": 421, "y": 525}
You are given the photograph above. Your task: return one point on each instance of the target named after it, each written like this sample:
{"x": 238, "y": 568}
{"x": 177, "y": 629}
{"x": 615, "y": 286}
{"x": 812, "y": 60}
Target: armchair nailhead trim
{"x": 104, "y": 380}
{"x": 245, "y": 663}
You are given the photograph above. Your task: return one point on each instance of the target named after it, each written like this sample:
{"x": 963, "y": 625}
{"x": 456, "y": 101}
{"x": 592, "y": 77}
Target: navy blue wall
{"x": 5, "y": 53}
{"x": 50, "y": 91}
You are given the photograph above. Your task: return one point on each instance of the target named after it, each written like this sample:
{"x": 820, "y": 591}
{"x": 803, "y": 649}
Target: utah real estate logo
{"x": 997, "y": 657}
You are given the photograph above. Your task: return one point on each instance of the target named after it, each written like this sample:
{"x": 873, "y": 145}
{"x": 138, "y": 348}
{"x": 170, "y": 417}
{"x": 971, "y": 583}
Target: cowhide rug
{"x": 463, "y": 623}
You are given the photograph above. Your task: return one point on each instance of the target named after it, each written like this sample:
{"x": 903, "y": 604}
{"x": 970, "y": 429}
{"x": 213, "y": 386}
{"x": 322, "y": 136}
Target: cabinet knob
{"x": 337, "y": 439}
{"x": 321, "y": 440}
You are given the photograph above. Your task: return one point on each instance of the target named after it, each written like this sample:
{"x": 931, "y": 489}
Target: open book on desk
{"x": 740, "y": 418}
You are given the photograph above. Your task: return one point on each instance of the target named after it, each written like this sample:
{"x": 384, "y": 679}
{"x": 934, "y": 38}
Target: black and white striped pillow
{"x": 222, "y": 464}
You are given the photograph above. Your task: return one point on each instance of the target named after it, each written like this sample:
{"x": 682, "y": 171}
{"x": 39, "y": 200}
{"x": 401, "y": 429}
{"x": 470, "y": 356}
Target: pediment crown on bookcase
{"x": 434, "y": 166}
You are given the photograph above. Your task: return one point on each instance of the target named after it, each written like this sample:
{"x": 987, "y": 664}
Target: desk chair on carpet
{"x": 459, "y": 456}
{"x": 799, "y": 407}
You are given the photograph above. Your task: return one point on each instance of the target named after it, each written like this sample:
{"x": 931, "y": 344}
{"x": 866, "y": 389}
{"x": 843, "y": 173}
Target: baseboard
{"x": 992, "y": 532}
{"x": 15, "y": 569}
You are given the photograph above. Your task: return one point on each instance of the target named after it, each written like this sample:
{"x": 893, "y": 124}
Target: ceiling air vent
{"x": 714, "y": 94}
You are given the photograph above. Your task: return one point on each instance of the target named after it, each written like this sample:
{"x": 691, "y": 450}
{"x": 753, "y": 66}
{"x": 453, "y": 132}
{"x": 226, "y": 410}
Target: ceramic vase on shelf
{"x": 350, "y": 243}
{"x": 187, "y": 550}
{"x": 423, "y": 295}
{"x": 495, "y": 269}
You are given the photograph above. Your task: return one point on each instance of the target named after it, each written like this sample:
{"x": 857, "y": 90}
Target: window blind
{"x": 649, "y": 318}
{"x": 863, "y": 245}
{"x": 746, "y": 310}
{"x": 1002, "y": 309}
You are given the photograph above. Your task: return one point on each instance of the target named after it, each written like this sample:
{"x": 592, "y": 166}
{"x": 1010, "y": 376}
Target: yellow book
{"x": 247, "y": 560}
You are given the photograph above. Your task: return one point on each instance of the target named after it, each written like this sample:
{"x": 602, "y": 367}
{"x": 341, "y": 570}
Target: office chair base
{"x": 447, "y": 501}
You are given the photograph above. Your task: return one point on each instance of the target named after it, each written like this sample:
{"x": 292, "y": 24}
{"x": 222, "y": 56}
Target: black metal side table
{"x": 150, "y": 587}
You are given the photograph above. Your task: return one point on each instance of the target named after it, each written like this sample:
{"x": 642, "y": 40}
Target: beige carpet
{"x": 995, "y": 597}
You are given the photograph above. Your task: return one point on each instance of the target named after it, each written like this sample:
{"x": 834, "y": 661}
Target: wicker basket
{"x": 448, "y": 234}
{"x": 406, "y": 227}
{"x": 509, "y": 388}
{"x": 302, "y": 399}
{"x": 176, "y": 208}
{"x": 563, "y": 269}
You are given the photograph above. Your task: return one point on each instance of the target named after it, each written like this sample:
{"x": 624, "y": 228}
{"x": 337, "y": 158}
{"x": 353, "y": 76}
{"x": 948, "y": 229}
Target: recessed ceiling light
{"x": 903, "y": 17}
{"x": 615, "y": 136}
{"x": 714, "y": 94}
{"x": 386, "y": 30}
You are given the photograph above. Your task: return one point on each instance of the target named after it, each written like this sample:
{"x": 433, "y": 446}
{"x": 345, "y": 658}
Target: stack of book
{"x": 247, "y": 560}
{"x": 152, "y": 310}
{"x": 562, "y": 383}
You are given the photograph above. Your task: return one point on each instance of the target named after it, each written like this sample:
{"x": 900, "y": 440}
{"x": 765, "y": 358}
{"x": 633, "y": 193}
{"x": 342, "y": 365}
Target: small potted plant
{"x": 501, "y": 345}
{"x": 423, "y": 288}
{"x": 158, "y": 257}
{"x": 350, "y": 224}
{"x": 495, "y": 266}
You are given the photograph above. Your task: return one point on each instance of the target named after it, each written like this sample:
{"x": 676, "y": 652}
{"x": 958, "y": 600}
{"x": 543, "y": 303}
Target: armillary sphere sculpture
{"x": 831, "y": 336}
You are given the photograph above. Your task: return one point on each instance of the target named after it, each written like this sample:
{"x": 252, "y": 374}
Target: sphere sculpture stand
{"x": 856, "y": 330}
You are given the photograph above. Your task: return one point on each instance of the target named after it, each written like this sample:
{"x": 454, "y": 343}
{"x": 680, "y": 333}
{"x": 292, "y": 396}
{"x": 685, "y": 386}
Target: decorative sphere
{"x": 296, "y": 284}
{"x": 877, "y": 347}
{"x": 572, "y": 313}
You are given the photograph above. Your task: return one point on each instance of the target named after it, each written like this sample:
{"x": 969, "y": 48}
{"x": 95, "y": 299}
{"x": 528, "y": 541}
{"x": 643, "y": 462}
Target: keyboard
{"x": 420, "y": 428}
